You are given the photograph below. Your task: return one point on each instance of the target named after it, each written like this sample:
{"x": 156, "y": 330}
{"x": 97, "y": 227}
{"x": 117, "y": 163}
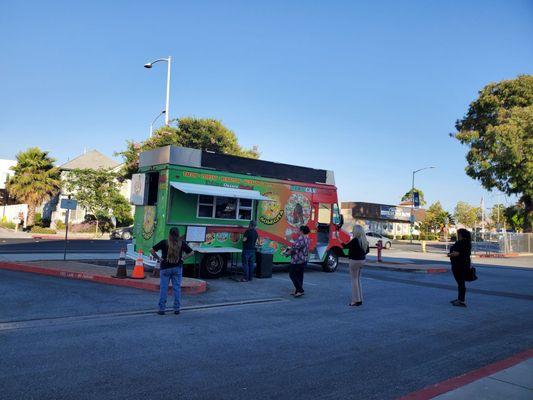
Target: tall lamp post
{"x": 413, "y": 201}
{"x": 153, "y": 122}
{"x": 168, "y": 61}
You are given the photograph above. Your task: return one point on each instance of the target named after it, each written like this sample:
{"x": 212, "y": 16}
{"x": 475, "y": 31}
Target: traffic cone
{"x": 121, "y": 266}
{"x": 138, "y": 270}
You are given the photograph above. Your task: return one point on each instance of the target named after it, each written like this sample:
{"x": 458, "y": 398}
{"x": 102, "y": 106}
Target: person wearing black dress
{"x": 460, "y": 259}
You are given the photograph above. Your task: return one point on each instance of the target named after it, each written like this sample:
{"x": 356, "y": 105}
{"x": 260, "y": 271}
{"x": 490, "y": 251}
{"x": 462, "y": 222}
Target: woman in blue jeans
{"x": 171, "y": 261}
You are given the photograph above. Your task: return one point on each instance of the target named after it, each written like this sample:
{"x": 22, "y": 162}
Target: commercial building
{"x": 382, "y": 218}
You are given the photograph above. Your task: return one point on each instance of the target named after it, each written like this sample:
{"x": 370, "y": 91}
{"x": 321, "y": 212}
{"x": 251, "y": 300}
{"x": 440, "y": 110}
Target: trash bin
{"x": 263, "y": 267}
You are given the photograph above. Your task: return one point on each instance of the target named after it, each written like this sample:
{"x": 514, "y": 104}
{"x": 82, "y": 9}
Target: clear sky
{"x": 369, "y": 89}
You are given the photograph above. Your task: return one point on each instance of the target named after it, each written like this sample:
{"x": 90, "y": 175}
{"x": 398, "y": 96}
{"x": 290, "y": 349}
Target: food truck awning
{"x": 221, "y": 191}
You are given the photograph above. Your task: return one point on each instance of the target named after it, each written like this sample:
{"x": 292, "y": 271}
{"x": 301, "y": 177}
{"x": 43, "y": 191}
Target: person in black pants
{"x": 460, "y": 258}
{"x": 299, "y": 252}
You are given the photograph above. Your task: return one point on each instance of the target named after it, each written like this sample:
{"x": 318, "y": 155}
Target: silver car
{"x": 373, "y": 238}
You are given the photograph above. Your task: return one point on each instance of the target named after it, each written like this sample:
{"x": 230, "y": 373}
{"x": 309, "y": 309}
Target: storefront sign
{"x": 399, "y": 213}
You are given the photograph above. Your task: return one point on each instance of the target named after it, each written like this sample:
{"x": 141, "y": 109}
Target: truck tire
{"x": 213, "y": 266}
{"x": 331, "y": 262}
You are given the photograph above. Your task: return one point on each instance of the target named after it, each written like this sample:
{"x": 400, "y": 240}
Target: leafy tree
{"x": 98, "y": 192}
{"x": 515, "y": 216}
{"x": 435, "y": 219}
{"x": 35, "y": 180}
{"x": 196, "y": 133}
{"x": 497, "y": 216}
{"x": 466, "y": 214}
{"x": 409, "y": 196}
{"x": 498, "y": 128}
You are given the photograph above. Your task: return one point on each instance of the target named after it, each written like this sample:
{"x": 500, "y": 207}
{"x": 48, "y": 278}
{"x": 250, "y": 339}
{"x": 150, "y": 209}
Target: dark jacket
{"x": 355, "y": 251}
{"x": 462, "y": 261}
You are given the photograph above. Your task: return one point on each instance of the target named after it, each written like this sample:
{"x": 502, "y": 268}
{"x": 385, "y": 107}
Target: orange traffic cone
{"x": 121, "y": 266}
{"x": 138, "y": 270}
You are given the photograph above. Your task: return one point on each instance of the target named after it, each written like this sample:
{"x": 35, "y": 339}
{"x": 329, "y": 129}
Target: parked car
{"x": 373, "y": 238}
{"x": 124, "y": 233}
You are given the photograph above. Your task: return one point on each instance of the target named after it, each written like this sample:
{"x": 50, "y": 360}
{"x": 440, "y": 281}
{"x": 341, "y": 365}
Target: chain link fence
{"x": 502, "y": 242}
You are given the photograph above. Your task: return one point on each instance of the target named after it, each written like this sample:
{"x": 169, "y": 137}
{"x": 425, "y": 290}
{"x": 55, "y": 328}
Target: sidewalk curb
{"x": 54, "y": 237}
{"x": 453, "y": 383}
{"x": 192, "y": 286}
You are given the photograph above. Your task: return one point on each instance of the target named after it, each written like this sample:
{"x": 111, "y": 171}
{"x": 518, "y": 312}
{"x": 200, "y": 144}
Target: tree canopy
{"x": 498, "y": 129}
{"x": 197, "y": 133}
{"x": 466, "y": 214}
{"x": 435, "y": 219}
{"x": 35, "y": 180}
{"x": 98, "y": 192}
{"x": 409, "y": 196}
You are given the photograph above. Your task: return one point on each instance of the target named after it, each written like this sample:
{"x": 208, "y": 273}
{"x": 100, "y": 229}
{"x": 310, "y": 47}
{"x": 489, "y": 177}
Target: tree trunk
{"x": 31, "y": 215}
{"x": 96, "y": 232}
{"x": 528, "y": 213}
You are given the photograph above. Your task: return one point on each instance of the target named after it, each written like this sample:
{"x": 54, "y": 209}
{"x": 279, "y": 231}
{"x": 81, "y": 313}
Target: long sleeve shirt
{"x": 300, "y": 250}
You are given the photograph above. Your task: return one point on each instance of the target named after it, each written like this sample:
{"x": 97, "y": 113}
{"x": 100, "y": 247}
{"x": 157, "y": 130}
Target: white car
{"x": 373, "y": 238}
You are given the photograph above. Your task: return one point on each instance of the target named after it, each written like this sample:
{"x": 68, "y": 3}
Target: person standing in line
{"x": 299, "y": 252}
{"x": 249, "y": 241}
{"x": 357, "y": 250}
{"x": 460, "y": 259}
{"x": 171, "y": 261}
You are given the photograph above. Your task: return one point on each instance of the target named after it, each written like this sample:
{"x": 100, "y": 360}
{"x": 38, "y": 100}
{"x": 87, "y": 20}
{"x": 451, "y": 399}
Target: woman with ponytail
{"x": 171, "y": 260}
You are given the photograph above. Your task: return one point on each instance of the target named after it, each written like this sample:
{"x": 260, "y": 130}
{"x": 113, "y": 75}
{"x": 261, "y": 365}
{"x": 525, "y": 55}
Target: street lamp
{"x": 168, "y": 61}
{"x": 153, "y": 122}
{"x": 413, "y": 200}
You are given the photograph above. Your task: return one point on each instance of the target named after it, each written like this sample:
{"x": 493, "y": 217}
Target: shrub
{"x": 38, "y": 219}
{"x": 60, "y": 224}
{"x": 40, "y": 229}
{"x": 8, "y": 225}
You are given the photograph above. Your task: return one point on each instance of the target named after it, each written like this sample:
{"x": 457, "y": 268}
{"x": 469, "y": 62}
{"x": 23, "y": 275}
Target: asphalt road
{"x": 63, "y": 339}
{"x": 25, "y": 246}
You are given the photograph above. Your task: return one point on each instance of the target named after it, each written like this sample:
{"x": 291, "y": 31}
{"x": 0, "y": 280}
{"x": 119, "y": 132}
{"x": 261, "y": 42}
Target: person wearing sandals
{"x": 171, "y": 267}
{"x": 299, "y": 252}
{"x": 357, "y": 250}
{"x": 460, "y": 259}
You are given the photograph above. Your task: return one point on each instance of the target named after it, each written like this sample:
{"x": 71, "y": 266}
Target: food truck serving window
{"x": 224, "y": 207}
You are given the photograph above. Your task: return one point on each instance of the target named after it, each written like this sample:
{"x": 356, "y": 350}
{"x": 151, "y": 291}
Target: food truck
{"x": 212, "y": 198}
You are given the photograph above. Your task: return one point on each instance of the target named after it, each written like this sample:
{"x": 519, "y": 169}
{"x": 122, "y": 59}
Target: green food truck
{"x": 212, "y": 197}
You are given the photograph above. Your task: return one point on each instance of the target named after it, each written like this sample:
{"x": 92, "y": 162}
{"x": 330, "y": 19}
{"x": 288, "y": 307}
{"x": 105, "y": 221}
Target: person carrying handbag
{"x": 461, "y": 265}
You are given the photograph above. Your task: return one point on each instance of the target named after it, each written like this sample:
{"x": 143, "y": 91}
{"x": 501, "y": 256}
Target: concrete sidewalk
{"x": 98, "y": 274}
{"x": 511, "y": 378}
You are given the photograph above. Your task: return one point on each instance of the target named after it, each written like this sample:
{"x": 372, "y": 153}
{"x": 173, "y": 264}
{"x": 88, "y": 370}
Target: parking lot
{"x": 253, "y": 340}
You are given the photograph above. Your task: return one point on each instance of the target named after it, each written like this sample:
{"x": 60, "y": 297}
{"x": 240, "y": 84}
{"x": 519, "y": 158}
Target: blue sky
{"x": 369, "y": 89}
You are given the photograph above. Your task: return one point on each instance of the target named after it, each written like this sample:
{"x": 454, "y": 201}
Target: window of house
{"x": 224, "y": 208}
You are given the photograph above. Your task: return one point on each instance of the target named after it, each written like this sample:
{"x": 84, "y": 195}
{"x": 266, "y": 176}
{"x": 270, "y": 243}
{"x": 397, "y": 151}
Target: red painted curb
{"x": 194, "y": 287}
{"x": 453, "y": 383}
{"x": 498, "y": 255}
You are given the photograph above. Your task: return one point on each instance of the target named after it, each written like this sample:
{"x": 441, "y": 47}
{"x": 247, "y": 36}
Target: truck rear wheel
{"x": 213, "y": 266}
{"x": 331, "y": 261}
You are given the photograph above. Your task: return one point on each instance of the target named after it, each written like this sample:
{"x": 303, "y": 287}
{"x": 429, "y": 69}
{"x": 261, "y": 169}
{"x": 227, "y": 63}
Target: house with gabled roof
{"x": 92, "y": 159}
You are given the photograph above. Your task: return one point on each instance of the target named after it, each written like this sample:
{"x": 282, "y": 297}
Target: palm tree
{"x": 35, "y": 180}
